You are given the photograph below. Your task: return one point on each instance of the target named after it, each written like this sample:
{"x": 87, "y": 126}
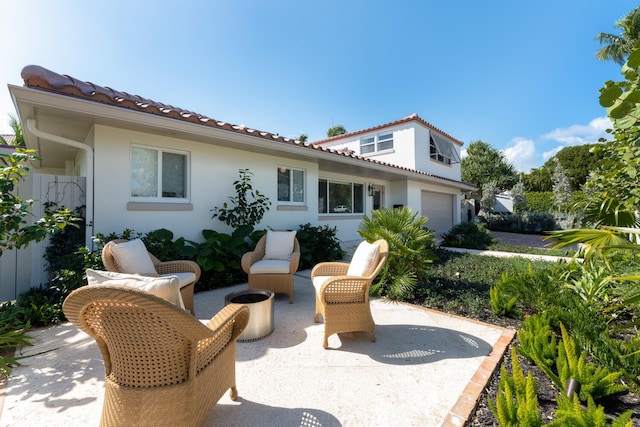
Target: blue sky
{"x": 521, "y": 76}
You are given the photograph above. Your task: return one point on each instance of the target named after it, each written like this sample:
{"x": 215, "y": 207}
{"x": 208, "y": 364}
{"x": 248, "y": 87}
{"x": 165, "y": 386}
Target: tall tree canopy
{"x": 577, "y": 162}
{"x": 484, "y": 164}
{"x": 617, "y": 47}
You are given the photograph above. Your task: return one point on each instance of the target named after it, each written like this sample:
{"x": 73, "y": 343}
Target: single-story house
{"x": 150, "y": 165}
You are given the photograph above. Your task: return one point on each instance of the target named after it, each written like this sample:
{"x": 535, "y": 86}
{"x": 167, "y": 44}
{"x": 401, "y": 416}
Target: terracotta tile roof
{"x": 40, "y": 78}
{"x": 409, "y": 118}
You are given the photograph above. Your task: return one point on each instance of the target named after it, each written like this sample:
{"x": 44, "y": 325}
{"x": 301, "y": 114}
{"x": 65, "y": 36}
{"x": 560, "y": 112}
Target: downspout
{"x": 31, "y": 125}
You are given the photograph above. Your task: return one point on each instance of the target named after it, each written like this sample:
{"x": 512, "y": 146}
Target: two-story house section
{"x": 412, "y": 143}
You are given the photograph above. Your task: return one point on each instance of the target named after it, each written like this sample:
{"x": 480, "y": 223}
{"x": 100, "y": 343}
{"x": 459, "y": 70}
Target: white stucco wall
{"x": 424, "y": 161}
{"x": 213, "y": 171}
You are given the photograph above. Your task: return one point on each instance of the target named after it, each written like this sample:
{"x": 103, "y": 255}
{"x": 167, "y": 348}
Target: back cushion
{"x": 364, "y": 259}
{"x": 132, "y": 257}
{"x": 166, "y": 287}
{"x": 279, "y": 244}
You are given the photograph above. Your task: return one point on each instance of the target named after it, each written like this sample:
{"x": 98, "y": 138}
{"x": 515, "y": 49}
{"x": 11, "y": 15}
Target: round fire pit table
{"x": 260, "y": 303}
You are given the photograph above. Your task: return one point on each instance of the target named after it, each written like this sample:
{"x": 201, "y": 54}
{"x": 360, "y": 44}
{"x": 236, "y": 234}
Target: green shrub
{"x": 318, "y": 244}
{"x": 571, "y": 412}
{"x": 468, "y": 235}
{"x": 540, "y": 201}
{"x": 411, "y": 249}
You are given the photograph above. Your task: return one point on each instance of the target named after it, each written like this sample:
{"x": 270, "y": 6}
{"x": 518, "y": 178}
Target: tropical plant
{"x": 618, "y": 47}
{"x": 571, "y": 412}
{"x": 336, "y": 130}
{"x": 516, "y": 403}
{"x": 18, "y": 136}
{"x": 247, "y": 207}
{"x": 14, "y": 211}
{"x": 411, "y": 249}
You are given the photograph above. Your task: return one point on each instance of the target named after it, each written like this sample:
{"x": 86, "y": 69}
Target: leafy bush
{"x": 411, "y": 249}
{"x": 467, "y": 235}
{"x": 540, "y": 201}
{"x": 318, "y": 244}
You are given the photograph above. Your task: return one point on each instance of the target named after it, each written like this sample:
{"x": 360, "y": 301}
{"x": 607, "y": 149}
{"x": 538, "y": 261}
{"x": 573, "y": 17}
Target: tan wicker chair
{"x": 163, "y": 367}
{"x": 275, "y": 282}
{"x": 167, "y": 267}
{"x": 343, "y": 301}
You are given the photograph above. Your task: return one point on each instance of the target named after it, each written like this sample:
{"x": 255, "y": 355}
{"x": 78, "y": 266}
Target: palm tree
{"x": 617, "y": 47}
{"x": 336, "y": 130}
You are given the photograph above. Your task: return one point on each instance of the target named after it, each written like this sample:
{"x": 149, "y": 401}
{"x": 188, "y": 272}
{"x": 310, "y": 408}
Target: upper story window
{"x": 340, "y": 197}
{"x": 291, "y": 185}
{"x": 442, "y": 150}
{"x": 379, "y": 142}
{"x": 158, "y": 174}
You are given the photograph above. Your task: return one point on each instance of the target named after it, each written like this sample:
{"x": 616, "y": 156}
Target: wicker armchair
{"x": 164, "y": 268}
{"x": 342, "y": 300}
{"x": 275, "y": 275}
{"x": 162, "y": 365}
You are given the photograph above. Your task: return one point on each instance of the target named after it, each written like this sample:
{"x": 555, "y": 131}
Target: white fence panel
{"x": 26, "y": 268}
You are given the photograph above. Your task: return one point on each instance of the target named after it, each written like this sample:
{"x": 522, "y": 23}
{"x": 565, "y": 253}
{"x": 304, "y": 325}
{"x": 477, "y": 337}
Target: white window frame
{"x": 158, "y": 197}
{"x": 283, "y": 168}
{"x": 374, "y": 143}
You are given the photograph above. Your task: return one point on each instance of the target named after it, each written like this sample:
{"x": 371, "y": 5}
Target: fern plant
{"x": 571, "y": 412}
{"x": 595, "y": 381}
{"x": 516, "y": 402}
{"x": 537, "y": 341}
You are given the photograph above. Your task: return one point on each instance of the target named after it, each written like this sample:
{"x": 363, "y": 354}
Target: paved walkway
{"x": 425, "y": 369}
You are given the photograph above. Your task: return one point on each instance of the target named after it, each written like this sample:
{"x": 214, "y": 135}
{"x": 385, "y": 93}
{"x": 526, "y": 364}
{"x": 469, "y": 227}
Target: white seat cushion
{"x": 184, "y": 278}
{"x": 132, "y": 257}
{"x": 364, "y": 260}
{"x": 279, "y": 244}
{"x": 270, "y": 266}
{"x": 166, "y": 287}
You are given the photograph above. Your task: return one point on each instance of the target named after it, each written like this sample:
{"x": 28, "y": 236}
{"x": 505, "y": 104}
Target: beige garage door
{"x": 438, "y": 207}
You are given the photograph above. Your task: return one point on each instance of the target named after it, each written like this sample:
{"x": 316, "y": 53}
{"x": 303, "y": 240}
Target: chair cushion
{"x": 364, "y": 260}
{"x": 185, "y": 278}
{"x": 279, "y": 244}
{"x": 166, "y": 287}
{"x": 132, "y": 257}
{"x": 270, "y": 266}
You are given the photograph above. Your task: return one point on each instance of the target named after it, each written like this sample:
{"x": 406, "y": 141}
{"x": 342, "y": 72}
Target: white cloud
{"x": 580, "y": 134}
{"x": 521, "y": 154}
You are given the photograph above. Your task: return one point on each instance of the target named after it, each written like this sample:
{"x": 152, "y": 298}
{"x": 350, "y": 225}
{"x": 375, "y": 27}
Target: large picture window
{"x": 158, "y": 174}
{"x": 291, "y": 185}
{"x": 340, "y": 197}
{"x": 379, "y": 142}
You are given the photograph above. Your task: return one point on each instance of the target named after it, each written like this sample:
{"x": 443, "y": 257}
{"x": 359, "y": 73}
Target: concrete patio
{"x": 425, "y": 369}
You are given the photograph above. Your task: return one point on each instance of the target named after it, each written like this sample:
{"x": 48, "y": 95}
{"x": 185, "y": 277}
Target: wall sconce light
{"x": 371, "y": 189}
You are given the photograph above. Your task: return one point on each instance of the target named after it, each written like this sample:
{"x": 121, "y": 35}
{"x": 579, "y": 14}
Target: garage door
{"x": 438, "y": 207}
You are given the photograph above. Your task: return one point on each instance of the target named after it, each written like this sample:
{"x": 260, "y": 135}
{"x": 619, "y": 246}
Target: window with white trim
{"x": 159, "y": 175}
{"x": 339, "y": 197}
{"x": 291, "y": 185}
{"x": 375, "y": 143}
{"x": 442, "y": 150}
